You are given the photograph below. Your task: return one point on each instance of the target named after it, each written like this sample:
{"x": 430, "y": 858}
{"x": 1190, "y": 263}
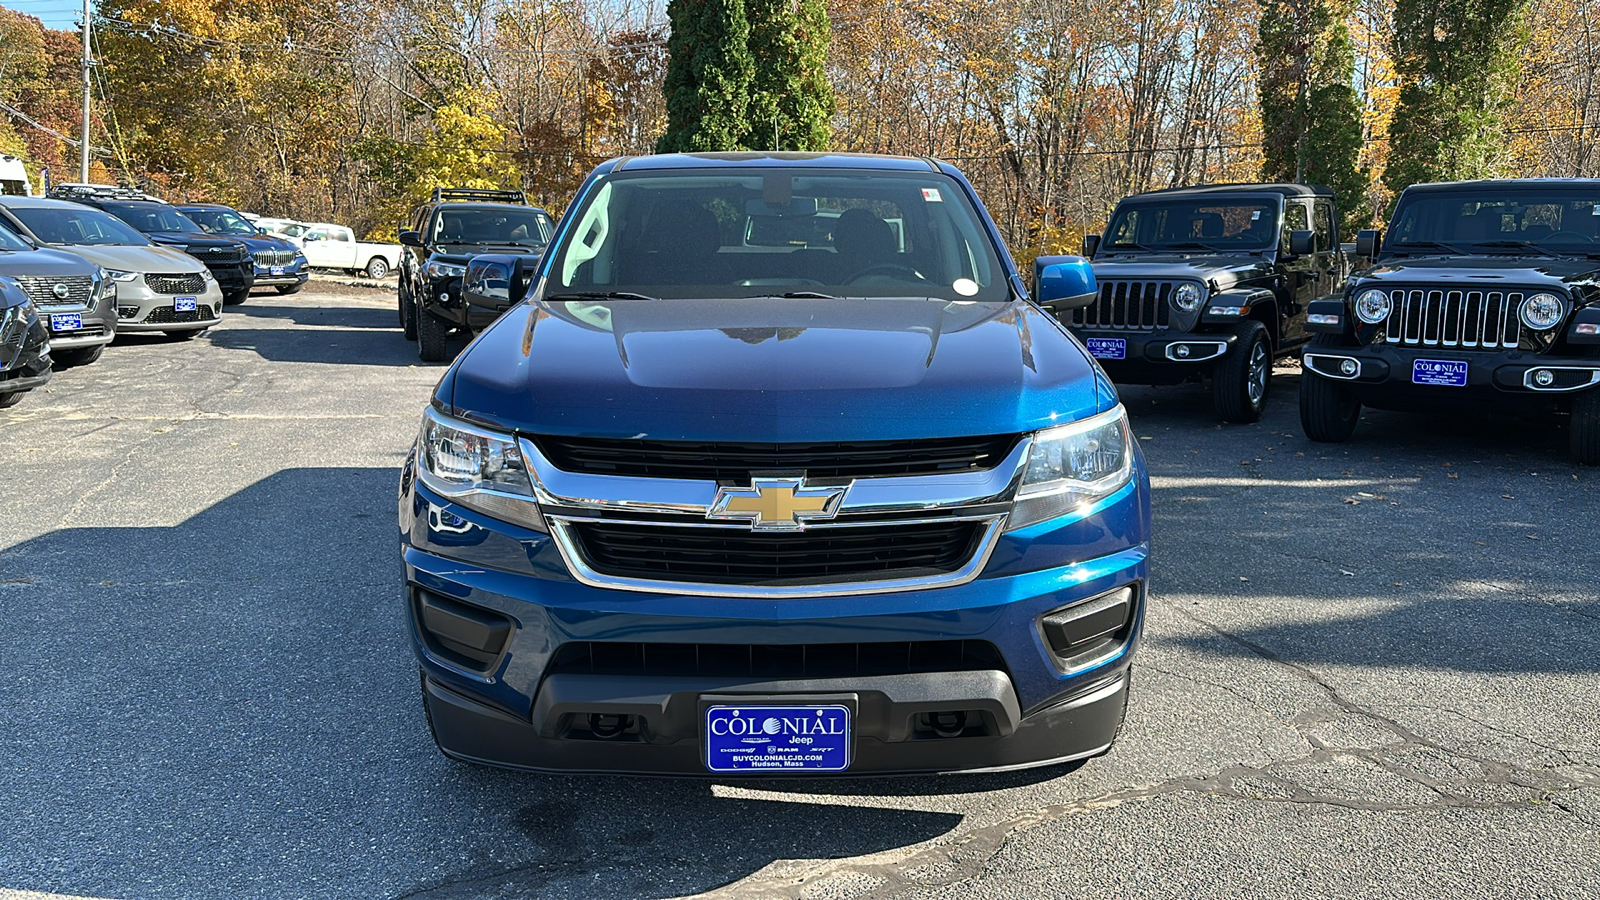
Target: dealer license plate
{"x": 1442, "y": 372}
{"x": 183, "y": 304}
{"x": 1108, "y": 348}
{"x": 778, "y": 738}
{"x": 277, "y": 270}
{"x": 66, "y": 321}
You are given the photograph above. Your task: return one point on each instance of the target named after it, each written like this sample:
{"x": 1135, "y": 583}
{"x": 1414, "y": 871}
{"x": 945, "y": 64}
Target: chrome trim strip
{"x": 559, "y": 529}
{"x": 1310, "y": 359}
{"x": 1217, "y": 348}
{"x": 1527, "y": 378}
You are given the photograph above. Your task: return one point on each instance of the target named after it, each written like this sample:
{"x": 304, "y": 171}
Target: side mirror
{"x": 411, "y": 239}
{"x": 1091, "y": 243}
{"x": 1063, "y": 282}
{"x": 1302, "y": 243}
{"x": 1368, "y": 240}
{"x": 496, "y": 281}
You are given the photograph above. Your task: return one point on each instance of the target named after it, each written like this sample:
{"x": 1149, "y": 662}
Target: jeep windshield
{"x": 491, "y": 226}
{"x": 753, "y": 232}
{"x": 1498, "y": 220}
{"x": 220, "y": 221}
{"x": 1217, "y": 224}
{"x": 152, "y": 218}
{"x": 85, "y": 226}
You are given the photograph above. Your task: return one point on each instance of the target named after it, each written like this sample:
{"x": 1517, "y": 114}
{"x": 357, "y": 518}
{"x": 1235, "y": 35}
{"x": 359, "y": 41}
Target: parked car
{"x": 335, "y": 247}
{"x": 14, "y": 179}
{"x": 278, "y": 263}
{"x": 228, "y": 259}
{"x": 1483, "y": 297}
{"x": 1210, "y": 283}
{"x": 24, "y": 345}
{"x": 440, "y": 238}
{"x": 158, "y": 288}
{"x": 699, "y": 507}
{"x": 73, "y": 296}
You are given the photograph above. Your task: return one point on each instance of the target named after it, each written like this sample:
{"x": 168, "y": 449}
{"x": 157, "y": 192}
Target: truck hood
{"x": 136, "y": 259}
{"x": 1557, "y": 272}
{"x": 1221, "y": 271}
{"x": 43, "y": 263}
{"x": 774, "y": 370}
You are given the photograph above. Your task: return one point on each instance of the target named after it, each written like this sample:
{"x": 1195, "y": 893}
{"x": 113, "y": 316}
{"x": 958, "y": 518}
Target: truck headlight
{"x": 1074, "y": 465}
{"x": 1541, "y": 312}
{"x": 446, "y": 270}
{"x": 479, "y": 469}
{"x": 1186, "y": 297}
{"x": 1373, "y": 307}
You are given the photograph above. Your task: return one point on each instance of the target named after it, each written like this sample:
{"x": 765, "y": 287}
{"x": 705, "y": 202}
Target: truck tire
{"x": 290, "y": 288}
{"x": 236, "y": 298}
{"x": 377, "y": 267}
{"x": 433, "y": 336}
{"x": 76, "y": 356}
{"x": 1328, "y": 410}
{"x": 1243, "y": 375}
{"x": 408, "y": 314}
{"x": 1586, "y": 427}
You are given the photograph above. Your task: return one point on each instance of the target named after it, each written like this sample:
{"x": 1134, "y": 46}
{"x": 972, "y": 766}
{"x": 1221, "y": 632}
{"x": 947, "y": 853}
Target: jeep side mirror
{"x": 411, "y": 239}
{"x": 1302, "y": 243}
{"x": 1063, "y": 282}
{"x": 496, "y": 281}
{"x": 1091, "y": 243}
{"x": 1368, "y": 240}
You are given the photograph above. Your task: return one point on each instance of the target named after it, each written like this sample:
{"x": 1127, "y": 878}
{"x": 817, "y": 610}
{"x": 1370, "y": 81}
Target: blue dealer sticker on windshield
{"x": 778, "y": 738}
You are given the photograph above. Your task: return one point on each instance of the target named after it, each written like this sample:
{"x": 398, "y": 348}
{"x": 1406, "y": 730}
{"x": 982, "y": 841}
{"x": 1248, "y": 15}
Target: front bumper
{"x": 1386, "y": 375}
{"x": 140, "y": 309}
{"x": 523, "y": 707}
{"x": 264, "y": 277}
{"x": 1161, "y": 357}
{"x": 98, "y": 324}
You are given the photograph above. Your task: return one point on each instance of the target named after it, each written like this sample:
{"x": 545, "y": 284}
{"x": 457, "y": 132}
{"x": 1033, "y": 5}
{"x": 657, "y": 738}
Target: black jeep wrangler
{"x": 1483, "y": 296}
{"x": 1210, "y": 282}
{"x": 441, "y": 238}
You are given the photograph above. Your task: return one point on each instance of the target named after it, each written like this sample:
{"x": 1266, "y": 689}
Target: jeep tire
{"x": 1243, "y": 375}
{"x": 433, "y": 336}
{"x": 1328, "y": 410}
{"x": 1586, "y": 427}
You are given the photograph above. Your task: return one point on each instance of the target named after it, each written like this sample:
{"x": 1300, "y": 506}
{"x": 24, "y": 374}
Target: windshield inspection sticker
{"x": 931, "y": 195}
{"x": 791, "y": 738}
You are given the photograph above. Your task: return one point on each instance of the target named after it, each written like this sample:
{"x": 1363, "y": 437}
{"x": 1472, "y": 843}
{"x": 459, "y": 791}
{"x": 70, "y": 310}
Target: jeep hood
{"x": 1556, "y": 272}
{"x": 1222, "y": 272}
{"x": 774, "y": 370}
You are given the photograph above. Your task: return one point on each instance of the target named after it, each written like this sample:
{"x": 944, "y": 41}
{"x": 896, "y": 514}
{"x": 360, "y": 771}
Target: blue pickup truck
{"x": 777, "y": 468}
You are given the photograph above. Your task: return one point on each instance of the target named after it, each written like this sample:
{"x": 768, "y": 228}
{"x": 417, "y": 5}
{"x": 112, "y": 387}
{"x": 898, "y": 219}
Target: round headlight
{"x": 1373, "y": 307}
{"x": 1541, "y": 312}
{"x": 1187, "y": 297}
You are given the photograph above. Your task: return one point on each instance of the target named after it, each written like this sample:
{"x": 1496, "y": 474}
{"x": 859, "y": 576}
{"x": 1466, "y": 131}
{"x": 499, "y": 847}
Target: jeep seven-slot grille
{"x": 1462, "y": 319}
{"x": 735, "y": 556}
{"x": 773, "y": 660}
{"x": 176, "y": 284}
{"x": 720, "y": 461}
{"x": 1127, "y": 306}
{"x": 41, "y": 289}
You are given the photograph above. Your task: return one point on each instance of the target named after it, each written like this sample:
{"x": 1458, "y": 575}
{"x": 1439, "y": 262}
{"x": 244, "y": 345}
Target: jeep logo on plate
{"x": 61, "y": 291}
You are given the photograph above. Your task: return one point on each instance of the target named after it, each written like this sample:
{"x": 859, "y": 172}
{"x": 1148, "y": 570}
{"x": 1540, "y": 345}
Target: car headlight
{"x": 120, "y": 276}
{"x": 207, "y": 277}
{"x": 1073, "y": 465}
{"x": 1187, "y": 297}
{"x": 479, "y": 469}
{"x": 1541, "y": 312}
{"x": 1373, "y": 307}
{"x": 104, "y": 287}
{"x": 446, "y": 270}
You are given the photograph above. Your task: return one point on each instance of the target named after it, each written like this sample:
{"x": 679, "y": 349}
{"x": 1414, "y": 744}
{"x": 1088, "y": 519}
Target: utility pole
{"x": 88, "y": 63}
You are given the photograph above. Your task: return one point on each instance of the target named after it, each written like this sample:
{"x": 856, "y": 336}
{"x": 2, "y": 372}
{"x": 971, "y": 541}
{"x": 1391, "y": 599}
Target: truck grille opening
{"x": 1466, "y": 320}
{"x": 774, "y": 660}
{"x": 734, "y": 556}
{"x": 164, "y": 315}
{"x": 1127, "y": 306}
{"x": 724, "y": 461}
{"x": 176, "y": 284}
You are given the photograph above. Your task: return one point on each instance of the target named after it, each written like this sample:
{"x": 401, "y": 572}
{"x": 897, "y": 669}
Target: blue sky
{"x": 57, "y": 14}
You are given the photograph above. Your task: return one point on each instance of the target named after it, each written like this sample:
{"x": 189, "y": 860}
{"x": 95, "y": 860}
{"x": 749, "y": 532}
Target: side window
{"x": 1294, "y": 219}
{"x": 1322, "y": 221}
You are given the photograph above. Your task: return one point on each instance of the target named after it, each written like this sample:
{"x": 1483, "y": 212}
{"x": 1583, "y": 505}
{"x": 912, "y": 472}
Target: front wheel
{"x": 11, "y": 399}
{"x": 236, "y": 298}
{"x": 377, "y": 267}
{"x": 290, "y": 288}
{"x": 1586, "y": 427}
{"x": 433, "y": 336}
{"x": 1243, "y": 375}
{"x": 1329, "y": 411}
{"x": 76, "y": 356}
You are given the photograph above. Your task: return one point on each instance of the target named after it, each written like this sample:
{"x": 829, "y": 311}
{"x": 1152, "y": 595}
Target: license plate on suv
{"x": 66, "y": 321}
{"x": 183, "y": 304}
{"x": 778, "y": 738}
{"x": 277, "y": 270}
{"x": 1108, "y": 348}
{"x": 1442, "y": 372}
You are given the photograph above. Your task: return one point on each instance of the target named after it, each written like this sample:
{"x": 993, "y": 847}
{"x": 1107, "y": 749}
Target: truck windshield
{"x": 1499, "y": 220}
{"x": 151, "y": 217}
{"x": 491, "y": 225}
{"x": 220, "y": 221}
{"x": 757, "y": 232}
{"x": 1206, "y": 224}
{"x": 78, "y": 225}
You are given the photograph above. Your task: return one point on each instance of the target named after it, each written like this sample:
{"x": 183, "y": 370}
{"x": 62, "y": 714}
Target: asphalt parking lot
{"x": 1370, "y": 670}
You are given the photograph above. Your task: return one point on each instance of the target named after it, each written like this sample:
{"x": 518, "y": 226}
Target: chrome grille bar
{"x": 1466, "y": 319}
{"x": 1125, "y": 305}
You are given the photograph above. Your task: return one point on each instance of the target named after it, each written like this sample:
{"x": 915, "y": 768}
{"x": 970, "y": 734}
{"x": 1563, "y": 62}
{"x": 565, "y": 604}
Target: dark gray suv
{"x": 76, "y": 300}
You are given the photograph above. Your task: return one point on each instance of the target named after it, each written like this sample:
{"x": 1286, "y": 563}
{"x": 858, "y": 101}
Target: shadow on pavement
{"x": 306, "y": 344}
{"x": 327, "y": 316}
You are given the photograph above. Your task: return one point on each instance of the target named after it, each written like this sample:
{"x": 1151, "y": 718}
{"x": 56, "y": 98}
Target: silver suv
{"x": 75, "y": 299}
{"x": 157, "y": 288}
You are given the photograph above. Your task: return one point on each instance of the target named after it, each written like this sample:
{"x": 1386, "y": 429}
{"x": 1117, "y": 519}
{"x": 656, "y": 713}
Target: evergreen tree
{"x": 1310, "y": 114}
{"x": 709, "y": 70}
{"x": 1458, "y": 62}
{"x": 791, "y": 100}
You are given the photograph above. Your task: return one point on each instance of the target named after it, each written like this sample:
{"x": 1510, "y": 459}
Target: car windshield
{"x": 152, "y": 217}
{"x": 749, "y": 232}
{"x": 1203, "y": 224}
{"x": 9, "y": 241}
{"x": 491, "y": 225}
{"x": 219, "y": 221}
{"x": 79, "y": 225}
{"x": 1500, "y": 220}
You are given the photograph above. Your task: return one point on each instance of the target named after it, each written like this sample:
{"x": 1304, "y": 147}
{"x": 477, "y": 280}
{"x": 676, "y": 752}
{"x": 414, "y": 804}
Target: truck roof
{"x": 1202, "y": 190}
{"x": 1502, "y": 184}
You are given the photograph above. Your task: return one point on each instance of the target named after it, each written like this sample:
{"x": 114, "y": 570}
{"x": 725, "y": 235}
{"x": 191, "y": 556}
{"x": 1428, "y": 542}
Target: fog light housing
{"x": 1090, "y": 632}
{"x": 1181, "y": 351}
{"x": 1349, "y": 367}
{"x": 1544, "y": 378}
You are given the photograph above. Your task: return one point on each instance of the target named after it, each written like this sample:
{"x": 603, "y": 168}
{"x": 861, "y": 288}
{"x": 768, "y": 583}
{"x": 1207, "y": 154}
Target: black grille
{"x": 211, "y": 254}
{"x": 1127, "y": 306}
{"x": 176, "y": 284}
{"x": 736, "y": 556}
{"x": 164, "y": 315}
{"x": 41, "y": 290}
{"x": 1459, "y": 319}
{"x": 774, "y": 660}
{"x": 720, "y": 461}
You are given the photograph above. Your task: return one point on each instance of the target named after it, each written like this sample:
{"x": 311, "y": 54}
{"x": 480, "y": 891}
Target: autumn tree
{"x": 791, "y": 100}
{"x": 708, "y": 77}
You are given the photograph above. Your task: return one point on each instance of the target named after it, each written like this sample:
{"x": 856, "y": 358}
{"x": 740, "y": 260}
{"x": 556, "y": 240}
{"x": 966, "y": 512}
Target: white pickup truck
{"x": 335, "y": 247}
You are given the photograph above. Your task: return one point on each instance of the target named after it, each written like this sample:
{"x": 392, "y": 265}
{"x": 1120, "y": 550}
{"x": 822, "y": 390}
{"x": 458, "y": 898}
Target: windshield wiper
{"x": 1437, "y": 245}
{"x": 1515, "y": 245}
{"x": 795, "y": 295}
{"x": 599, "y": 295}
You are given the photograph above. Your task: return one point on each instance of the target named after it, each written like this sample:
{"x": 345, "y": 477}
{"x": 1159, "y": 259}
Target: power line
{"x": 20, "y": 115}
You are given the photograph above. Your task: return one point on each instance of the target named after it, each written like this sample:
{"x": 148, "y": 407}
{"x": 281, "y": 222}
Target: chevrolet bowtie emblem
{"x": 777, "y": 504}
